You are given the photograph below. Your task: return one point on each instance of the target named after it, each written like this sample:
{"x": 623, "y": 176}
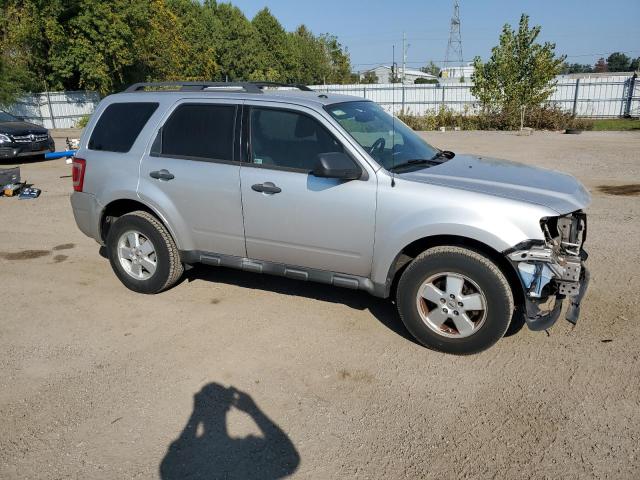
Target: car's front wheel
{"x": 142, "y": 253}
{"x": 454, "y": 300}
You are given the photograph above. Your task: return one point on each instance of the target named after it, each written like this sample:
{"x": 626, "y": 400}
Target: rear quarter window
{"x": 119, "y": 126}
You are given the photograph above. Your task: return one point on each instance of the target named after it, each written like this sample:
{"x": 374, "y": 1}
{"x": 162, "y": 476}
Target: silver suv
{"x": 328, "y": 188}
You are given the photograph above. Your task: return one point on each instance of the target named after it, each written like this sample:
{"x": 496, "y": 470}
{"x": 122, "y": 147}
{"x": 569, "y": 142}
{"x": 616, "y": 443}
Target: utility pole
{"x": 404, "y": 56}
{"x": 394, "y": 68}
{"x": 454, "y": 47}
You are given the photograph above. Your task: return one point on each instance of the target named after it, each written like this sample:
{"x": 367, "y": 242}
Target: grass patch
{"x": 616, "y": 124}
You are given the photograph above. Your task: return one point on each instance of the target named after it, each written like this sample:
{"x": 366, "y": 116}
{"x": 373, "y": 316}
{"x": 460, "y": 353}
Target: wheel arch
{"x": 115, "y": 209}
{"x": 416, "y": 247}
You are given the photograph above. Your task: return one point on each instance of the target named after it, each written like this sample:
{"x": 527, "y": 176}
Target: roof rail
{"x": 249, "y": 87}
{"x": 299, "y": 86}
{"x": 195, "y": 86}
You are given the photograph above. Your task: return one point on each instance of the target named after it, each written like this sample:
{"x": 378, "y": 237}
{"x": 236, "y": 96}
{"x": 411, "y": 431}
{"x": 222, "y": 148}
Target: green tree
{"x": 337, "y": 58}
{"x": 310, "y": 59}
{"x": 94, "y": 47}
{"x": 99, "y": 45}
{"x": 10, "y": 83}
{"x": 601, "y": 66}
{"x": 199, "y": 27}
{"x": 519, "y": 74}
{"x": 275, "y": 47}
{"x": 15, "y": 52}
{"x": 22, "y": 48}
{"x": 431, "y": 68}
{"x": 618, "y": 62}
{"x": 239, "y": 52}
{"x": 369, "y": 77}
{"x": 635, "y": 65}
{"x": 576, "y": 68}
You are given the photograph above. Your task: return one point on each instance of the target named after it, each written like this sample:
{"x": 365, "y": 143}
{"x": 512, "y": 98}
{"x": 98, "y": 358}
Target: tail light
{"x": 78, "y": 167}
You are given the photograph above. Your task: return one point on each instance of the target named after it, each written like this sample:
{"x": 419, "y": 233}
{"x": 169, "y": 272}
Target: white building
{"x": 458, "y": 72}
{"x": 383, "y": 73}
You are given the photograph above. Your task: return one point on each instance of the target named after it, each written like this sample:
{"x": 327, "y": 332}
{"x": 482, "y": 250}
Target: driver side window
{"x": 288, "y": 139}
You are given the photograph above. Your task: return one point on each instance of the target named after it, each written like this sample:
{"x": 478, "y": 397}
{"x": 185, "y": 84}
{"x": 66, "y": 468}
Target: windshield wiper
{"x": 444, "y": 154}
{"x": 418, "y": 161}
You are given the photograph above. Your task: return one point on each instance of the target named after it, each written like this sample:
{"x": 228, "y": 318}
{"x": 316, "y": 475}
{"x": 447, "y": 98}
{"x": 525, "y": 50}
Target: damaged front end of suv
{"x": 553, "y": 270}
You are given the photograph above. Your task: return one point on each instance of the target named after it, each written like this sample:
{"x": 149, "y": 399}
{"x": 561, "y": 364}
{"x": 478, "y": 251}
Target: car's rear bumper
{"x": 86, "y": 211}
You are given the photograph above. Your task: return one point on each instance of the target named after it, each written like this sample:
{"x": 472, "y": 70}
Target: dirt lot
{"x": 98, "y": 382}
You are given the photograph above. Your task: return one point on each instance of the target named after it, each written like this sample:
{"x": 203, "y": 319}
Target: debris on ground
{"x": 29, "y": 193}
{"x": 9, "y": 175}
{"x": 11, "y": 186}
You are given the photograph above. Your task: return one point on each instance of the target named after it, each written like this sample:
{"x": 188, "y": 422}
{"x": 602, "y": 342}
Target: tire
{"x": 463, "y": 329}
{"x": 158, "y": 270}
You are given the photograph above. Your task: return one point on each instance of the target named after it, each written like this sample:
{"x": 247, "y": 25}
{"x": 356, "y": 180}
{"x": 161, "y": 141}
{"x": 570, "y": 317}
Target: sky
{"x": 584, "y": 30}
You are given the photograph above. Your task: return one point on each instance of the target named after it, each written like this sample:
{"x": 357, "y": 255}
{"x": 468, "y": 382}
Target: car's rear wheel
{"x": 142, "y": 253}
{"x": 454, "y": 300}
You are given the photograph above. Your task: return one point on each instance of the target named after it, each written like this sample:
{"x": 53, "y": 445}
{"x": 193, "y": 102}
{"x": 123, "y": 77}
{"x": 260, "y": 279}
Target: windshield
{"x": 388, "y": 140}
{"x": 5, "y": 117}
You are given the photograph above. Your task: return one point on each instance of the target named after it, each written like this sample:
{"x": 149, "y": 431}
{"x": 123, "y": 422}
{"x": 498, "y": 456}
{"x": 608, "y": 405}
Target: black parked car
{"x": 22, "y": 139}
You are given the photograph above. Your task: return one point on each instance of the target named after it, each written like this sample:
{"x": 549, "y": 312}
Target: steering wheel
{"x": 397, "y": 149}
{"x": 377, "y": 145}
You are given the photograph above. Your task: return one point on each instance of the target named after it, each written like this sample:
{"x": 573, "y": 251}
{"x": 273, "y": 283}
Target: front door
{"x": 293, "y": 217}
{"x": 193, "y": 177}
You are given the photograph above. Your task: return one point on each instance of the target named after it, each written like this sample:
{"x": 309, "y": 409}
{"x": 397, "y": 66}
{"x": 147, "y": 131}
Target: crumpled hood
{"x": 558, "y": 191}
{"x": 21, "y": 128}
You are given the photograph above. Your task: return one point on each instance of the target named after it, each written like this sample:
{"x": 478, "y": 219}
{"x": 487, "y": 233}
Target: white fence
{"x": 593, "y": 97}
{"x": 55, "y": 109}
{"x": 608, "y": 96}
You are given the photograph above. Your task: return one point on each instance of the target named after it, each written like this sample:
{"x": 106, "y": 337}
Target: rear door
{"x": 318, "y": 223}
{"x": 191, "y": 174}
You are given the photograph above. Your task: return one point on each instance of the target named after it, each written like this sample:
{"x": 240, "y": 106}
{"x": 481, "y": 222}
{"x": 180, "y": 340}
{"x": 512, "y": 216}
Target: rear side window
{"x": 119, "y": 126}
{"x": 199, "y": 131}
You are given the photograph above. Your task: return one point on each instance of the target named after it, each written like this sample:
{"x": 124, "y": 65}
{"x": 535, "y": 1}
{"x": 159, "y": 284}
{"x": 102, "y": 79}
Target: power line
{"x": 602, "y": 54}
{"x": 395, "y": 36}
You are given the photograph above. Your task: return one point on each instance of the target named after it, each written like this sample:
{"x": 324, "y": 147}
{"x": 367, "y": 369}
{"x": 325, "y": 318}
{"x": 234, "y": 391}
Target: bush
{"x": 82, "y": 123}
{"x": 540, "y": 118}
{"x": 553, "y": 118}
{"x": 425, "y": 81}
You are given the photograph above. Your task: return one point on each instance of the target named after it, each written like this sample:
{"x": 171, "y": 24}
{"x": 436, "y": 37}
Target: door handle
{"x": 266, "y": 187}
{"x": 162, "y": 175}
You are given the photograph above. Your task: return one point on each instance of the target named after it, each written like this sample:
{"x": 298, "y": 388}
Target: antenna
{"x": 454, "y": 47}
{"x": 393, "y": 120}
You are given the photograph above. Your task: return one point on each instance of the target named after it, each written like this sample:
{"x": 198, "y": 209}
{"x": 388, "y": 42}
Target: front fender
{"x": 498, "y": 223}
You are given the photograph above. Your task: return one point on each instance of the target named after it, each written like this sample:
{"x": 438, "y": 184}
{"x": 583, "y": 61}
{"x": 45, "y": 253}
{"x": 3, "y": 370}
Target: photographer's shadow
{"x": 204, "y": 449}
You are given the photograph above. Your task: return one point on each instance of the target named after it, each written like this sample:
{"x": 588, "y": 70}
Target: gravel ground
{"x": 231, "y": 370}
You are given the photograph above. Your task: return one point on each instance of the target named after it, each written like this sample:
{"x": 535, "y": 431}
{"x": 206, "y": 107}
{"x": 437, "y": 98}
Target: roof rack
{"x": 299, "y": 86}
{"x": 248, "y": 87}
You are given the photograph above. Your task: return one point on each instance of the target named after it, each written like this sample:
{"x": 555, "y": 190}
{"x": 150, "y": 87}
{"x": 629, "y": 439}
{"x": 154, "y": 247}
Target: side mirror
{"x": 336, "y": 165}
{"x": 448, "y": 154}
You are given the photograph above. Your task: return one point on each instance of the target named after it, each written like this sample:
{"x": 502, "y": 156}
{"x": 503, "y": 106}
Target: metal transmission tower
{"x": 454, "y": 47}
